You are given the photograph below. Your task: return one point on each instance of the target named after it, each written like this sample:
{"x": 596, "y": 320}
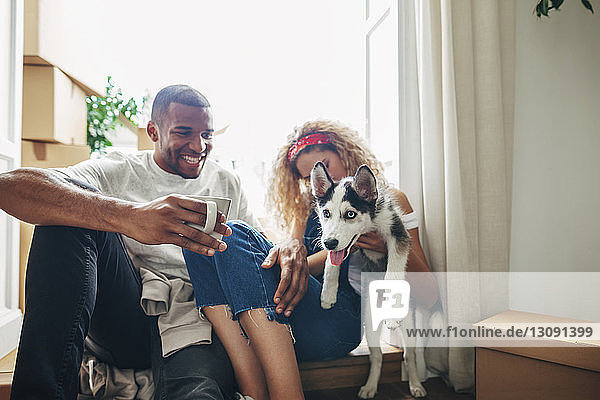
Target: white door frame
{"x": 10, "y": 158}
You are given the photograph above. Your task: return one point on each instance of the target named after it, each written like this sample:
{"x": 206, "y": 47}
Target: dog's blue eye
{"x": 349, "y": 214}
{"x": 326, "y": 214}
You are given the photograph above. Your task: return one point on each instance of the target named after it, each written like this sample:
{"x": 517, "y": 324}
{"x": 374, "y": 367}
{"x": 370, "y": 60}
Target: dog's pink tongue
{"x": 336, "y": 257}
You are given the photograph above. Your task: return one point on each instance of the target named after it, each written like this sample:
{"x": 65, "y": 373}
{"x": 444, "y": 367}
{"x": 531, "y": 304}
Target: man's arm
{"x": 42, "y": 197}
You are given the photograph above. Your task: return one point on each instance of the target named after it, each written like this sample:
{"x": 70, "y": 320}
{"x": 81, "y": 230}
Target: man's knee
{"x": 51, "y": 241}
{"x": 58, "y": 240}
{"x": 53, "y": 231}
{"x": 57, "y": 236}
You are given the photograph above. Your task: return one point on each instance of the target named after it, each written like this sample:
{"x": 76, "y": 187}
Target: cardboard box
{"x": 558, "y": 371}
{"x": 52, "y": 36}
{"x": 51, "y": 155}
{"x": 144, "y": 141}
{"x": 54, "y": 108}
{"x": 501, "y": 376}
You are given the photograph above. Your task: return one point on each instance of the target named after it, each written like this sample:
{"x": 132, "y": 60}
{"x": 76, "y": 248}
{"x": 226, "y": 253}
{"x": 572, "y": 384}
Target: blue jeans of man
{"x": 81, "y": 282}
{"x": 235, "y": 278}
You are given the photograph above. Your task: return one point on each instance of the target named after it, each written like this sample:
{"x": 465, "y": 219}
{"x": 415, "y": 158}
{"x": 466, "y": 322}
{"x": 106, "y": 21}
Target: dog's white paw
{"x": 392, "y": 323}
{"x": 417, "y": 390}
{"x": 367, "y": 391}
{"x": 328, "y": 301}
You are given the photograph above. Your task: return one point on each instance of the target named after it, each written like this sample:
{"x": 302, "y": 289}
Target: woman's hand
{"x": 291, "y": 257}
{"x": 370, "y": 241}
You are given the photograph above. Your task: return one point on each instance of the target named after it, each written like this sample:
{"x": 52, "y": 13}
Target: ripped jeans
{"x": 235, "y": 278}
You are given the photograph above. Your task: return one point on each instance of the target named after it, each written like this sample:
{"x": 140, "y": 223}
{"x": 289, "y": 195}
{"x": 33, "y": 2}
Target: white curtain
{"x": 456, "y": 93}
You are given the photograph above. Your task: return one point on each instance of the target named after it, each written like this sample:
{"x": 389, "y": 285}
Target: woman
{"x": 342, "y": 151}
{"x": 228, "y": 289}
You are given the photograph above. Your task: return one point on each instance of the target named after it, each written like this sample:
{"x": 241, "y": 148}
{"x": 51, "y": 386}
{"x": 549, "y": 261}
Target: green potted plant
{"x": 103, "y": 115}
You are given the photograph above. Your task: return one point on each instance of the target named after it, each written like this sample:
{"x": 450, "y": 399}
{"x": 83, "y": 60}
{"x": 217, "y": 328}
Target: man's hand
{"x": 163, "y": 221}
{"x": 291, "y": 257}
{"x": 370, "y": 241}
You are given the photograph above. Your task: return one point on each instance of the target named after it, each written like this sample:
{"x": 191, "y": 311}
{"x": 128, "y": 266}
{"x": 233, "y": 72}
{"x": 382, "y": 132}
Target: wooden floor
{"x": 436, "y": 390}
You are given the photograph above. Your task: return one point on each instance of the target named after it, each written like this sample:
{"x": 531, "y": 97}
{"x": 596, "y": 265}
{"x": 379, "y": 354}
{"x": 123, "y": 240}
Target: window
{"x": 382, "y": 103}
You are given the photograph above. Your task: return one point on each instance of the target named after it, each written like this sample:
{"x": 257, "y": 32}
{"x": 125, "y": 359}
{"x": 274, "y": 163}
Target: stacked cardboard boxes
{"x": 54, "y": 131}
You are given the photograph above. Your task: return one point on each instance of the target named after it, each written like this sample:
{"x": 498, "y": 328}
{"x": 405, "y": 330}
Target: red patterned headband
{"x": 309, "y": 140}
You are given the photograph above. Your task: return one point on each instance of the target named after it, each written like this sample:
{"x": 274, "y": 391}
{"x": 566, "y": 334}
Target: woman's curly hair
{"x": 291, "y": 198}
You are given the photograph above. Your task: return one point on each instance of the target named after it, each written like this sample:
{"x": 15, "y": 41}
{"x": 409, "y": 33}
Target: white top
{"x": 410, "y": 221}
{"x": 137, "y": 177}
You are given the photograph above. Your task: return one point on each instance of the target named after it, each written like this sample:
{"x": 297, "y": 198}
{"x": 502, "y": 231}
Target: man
{"x": 83, "y": 277}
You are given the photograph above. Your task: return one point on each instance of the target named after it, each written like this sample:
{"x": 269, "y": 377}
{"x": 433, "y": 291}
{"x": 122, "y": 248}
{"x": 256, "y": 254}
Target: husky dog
{"x": 348, "y": 209}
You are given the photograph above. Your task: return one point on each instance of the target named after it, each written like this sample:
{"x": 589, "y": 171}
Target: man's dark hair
{"x": 182, "y": 94}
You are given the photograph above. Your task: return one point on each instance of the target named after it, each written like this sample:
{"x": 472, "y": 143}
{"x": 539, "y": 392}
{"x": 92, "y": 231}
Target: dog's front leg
{"x": 330, "y": 284}
{"x": 395, "y": 268}
{"x": 396, "y": 264}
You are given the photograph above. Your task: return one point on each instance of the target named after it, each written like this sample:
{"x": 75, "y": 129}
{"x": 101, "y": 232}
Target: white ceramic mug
{"x": 213, "y": 204}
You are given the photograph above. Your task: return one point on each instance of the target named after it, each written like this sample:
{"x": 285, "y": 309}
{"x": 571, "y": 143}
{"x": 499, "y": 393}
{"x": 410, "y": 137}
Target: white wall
{"x": 265, "y": 66}
{"x": 556, "y": 182}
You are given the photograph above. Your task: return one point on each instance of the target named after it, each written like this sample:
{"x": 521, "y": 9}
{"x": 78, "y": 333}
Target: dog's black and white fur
{"x": 348, "y": 209}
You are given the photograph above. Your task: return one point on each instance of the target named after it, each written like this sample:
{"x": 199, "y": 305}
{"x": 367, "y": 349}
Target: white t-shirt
{"x": 410, "y": 221}
{"x": 137, "y": 177}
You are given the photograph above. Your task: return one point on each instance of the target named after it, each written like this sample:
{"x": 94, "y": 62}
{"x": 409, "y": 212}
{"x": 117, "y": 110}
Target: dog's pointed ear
{"x": 365, "y": 184}
{"x": 320, "y": 181}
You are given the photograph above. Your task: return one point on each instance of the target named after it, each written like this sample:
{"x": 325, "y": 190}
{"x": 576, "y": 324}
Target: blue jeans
{"x": 235, "y": 278}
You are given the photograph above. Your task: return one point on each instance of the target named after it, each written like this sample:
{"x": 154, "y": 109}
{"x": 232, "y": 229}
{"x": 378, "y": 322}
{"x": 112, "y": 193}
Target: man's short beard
{"x": 199, "y": 171}
{"x": 202, "y": 164}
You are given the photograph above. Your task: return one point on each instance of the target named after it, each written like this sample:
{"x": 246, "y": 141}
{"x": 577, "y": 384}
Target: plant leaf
{"x": 544, "y": 7}
{"x": 556, "y": 3}
{"x": 106, "y": 113}
{"x": 587, "y": 5}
